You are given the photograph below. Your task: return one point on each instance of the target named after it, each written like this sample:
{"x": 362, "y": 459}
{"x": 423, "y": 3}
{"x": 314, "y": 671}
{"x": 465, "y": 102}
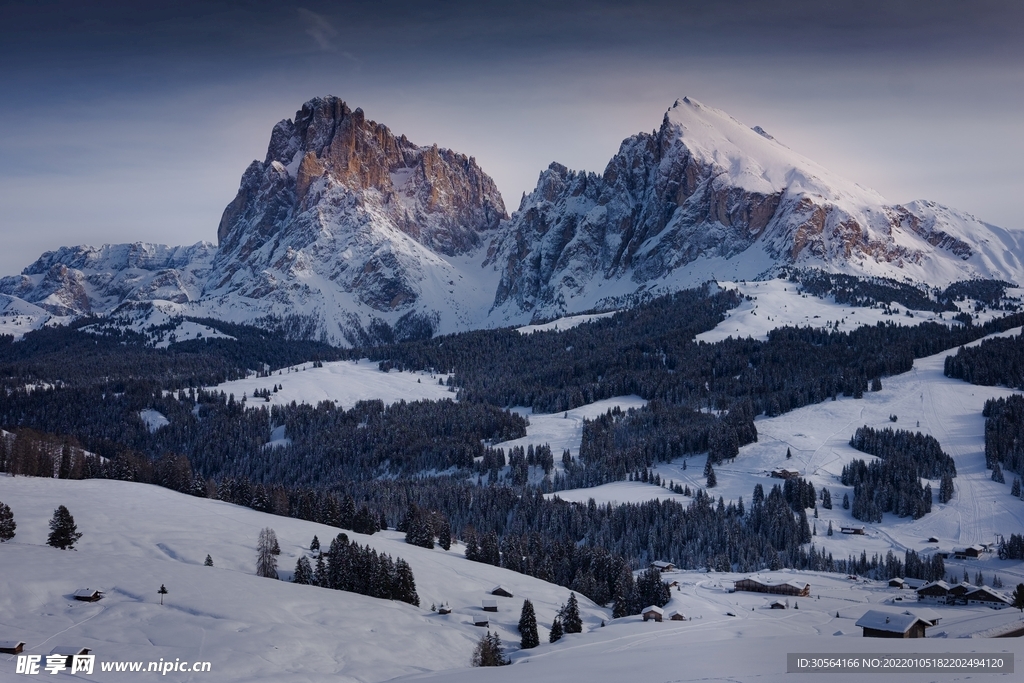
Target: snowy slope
{"x": 137, "y": 537}
{"x": 343, "y": 382}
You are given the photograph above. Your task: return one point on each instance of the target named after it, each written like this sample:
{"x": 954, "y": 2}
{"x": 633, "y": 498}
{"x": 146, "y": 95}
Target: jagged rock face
{"x": 341, "y": 202}
{"x": 82, "y": 280}
{"x": 703, "y": 193}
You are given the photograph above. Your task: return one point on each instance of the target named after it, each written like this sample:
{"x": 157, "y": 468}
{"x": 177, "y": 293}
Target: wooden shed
{"x": 480, "y": 621}
{"x": 663, "y": 566}
{"x": 444, "y": 610}
{"x": 653, "y": 612}
{"x": 778, "y": 605}
{"x": 855, "y": 530}
{"x": 88, "y": 595}
{"x": 490, "y": 605}
{"x": 502, "y": 591}
{"x": 12, "y": 647}
{"x": 676, "y": 615}
{"x": 879, "y": 624}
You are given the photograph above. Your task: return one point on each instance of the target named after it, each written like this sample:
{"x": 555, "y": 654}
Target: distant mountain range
{"x": 348, "y": 233}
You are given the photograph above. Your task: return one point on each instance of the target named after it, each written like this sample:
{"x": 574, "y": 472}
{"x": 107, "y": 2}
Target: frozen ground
{"x": 343, "y": 382}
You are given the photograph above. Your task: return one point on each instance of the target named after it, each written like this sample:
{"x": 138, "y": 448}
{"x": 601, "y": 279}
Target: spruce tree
{"x": 528, "y": 627}
{"x": 320, "y": 572}
{"x": 314, "y": 545}
{"x": 7, "y": 524}
{"x": 405, "y": 583}
{"x": 712, "y": 479}
{"x": 63, "y": 531}
{"x": 556, "y": 625}
{"x": 208, "y": 562}
{"x": 488, "y": 651}
{"x": 1015, "y": 489}
{"x": 846, "y": 501}
{"x": 571, "y": 621}
{"x": 1018, "y": 597}
{"x": 266, "y": 560}
{"x": 997, "y": 473}
{"x": 303, "y": 572}
{"x": 830, "y": 527}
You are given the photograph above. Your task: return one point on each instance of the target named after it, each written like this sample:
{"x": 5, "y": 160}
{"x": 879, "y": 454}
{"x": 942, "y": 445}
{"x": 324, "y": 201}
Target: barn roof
{"x": 653, "y": 608}
{"x": 889, "y": 621}
{"x": 489, "y": 602}
{"x": 86, "y": 592}
{"x": 935, "y": 584}
{"x": 926, "y": 613}
{"x": 986, "y": 593}
{"x": 69, "y": 650}
{"x": 11, "y": 644}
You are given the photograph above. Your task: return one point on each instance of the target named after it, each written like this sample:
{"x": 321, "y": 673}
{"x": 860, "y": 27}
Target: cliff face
{"x": 705, "y": 196}
{"x": 342, "y": 212}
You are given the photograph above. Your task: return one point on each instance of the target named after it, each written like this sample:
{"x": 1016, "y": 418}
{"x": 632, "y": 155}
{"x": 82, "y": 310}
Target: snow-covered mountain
{"x": 707, "y": 197}
{"x": 348, "y": 232}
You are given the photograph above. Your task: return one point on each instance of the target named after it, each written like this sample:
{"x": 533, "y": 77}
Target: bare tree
{"x": 266, "y": 560}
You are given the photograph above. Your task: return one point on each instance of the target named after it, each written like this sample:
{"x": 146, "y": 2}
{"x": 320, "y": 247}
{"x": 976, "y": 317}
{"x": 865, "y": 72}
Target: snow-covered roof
{"x": 499, "y": 587}
{"x": 914, "y": 583}
{"x": 889, "y": 621}
{"x": 986, "y": 593}
{"x": 489, "y": 602}
{"x": 69, "y": 650}
{"x": 653, "y": 608}
{"x": 926, "y": 613}
{"x": 674, "y": 613}
{"x": 86, "y": 592}
{"x": 660, "y": 564}
{"x": 11, "y": 644}
{"x": 939, "y": 584}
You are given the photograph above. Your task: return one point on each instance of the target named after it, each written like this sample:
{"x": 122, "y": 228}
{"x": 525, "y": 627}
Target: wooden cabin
{"x": 653, "y": 612}
{"x": 879, "y": 624}
{"x": 957, "y": 594}
{"x": 987, "y": 597}
{"x": 778, "y": 588}
{"x": 778, "y": 605}
{"x": 70, "y": 652}
{"x": 12, "y": 647}
{"x": 444, "y": 610}
{"x": 663, "y": 566}
{"x": 502, "y": 591}
{"x": 483, "y": 623}
{"x": 971, "y": 552}
{"x": 490, "y": 605}
{"x": 936, "y": 591}
{"x": 897, "y": 583}
{"x": 88, "y": 595}
{"x": 785, "y": 474}
{"x": 676, "y": 615}
{"x": 855, "y": 530}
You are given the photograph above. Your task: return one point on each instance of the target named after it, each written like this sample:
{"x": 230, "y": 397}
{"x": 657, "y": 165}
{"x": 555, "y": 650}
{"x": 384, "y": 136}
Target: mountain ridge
{"x": 349, "y": 233}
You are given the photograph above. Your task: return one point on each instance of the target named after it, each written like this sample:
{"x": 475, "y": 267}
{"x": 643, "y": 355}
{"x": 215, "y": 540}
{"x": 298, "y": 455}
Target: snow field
{"x": 137, "y": 537}
{"x": 343, "y": 382}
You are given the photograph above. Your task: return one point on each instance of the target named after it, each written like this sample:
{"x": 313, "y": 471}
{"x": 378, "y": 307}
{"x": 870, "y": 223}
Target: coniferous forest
{"x": 69, "y": 392}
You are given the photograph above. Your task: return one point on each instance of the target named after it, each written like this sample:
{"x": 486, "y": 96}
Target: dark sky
{"x": 124, "y": 121}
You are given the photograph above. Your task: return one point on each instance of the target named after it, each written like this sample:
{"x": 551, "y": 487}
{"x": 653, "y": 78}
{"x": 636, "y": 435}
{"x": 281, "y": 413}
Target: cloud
{"x": 319, "y": 29}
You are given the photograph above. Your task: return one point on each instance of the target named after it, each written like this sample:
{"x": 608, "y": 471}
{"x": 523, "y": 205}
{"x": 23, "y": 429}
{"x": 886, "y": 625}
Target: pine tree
{"x": 320, "y": 572}
{"x": 528, "y": 627}
{"x": 7, "y": 524}
{"x": 997, "y": 473}
{"x": 1015, "y": 489}
{"x": 789, "y": 454}
{"x": 208, "y": 562}
{"x": 1018, "y": 597}
{"x": 830, "y": 527}
{"x": 63, "y": 531}
{"x": 946, "y": 489}
{"x": 846, "y": 501}
{"x": 826, "y": 499}
{"x": 712, "y": 479}
{"x": 556, "y": 625}
{"x": 314, "y": 545}
{"x": 162, "y": 592}
{"x": 303, "y": 572}
{"x": 266, "y": 560}
{"x": 571, "y": 621}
